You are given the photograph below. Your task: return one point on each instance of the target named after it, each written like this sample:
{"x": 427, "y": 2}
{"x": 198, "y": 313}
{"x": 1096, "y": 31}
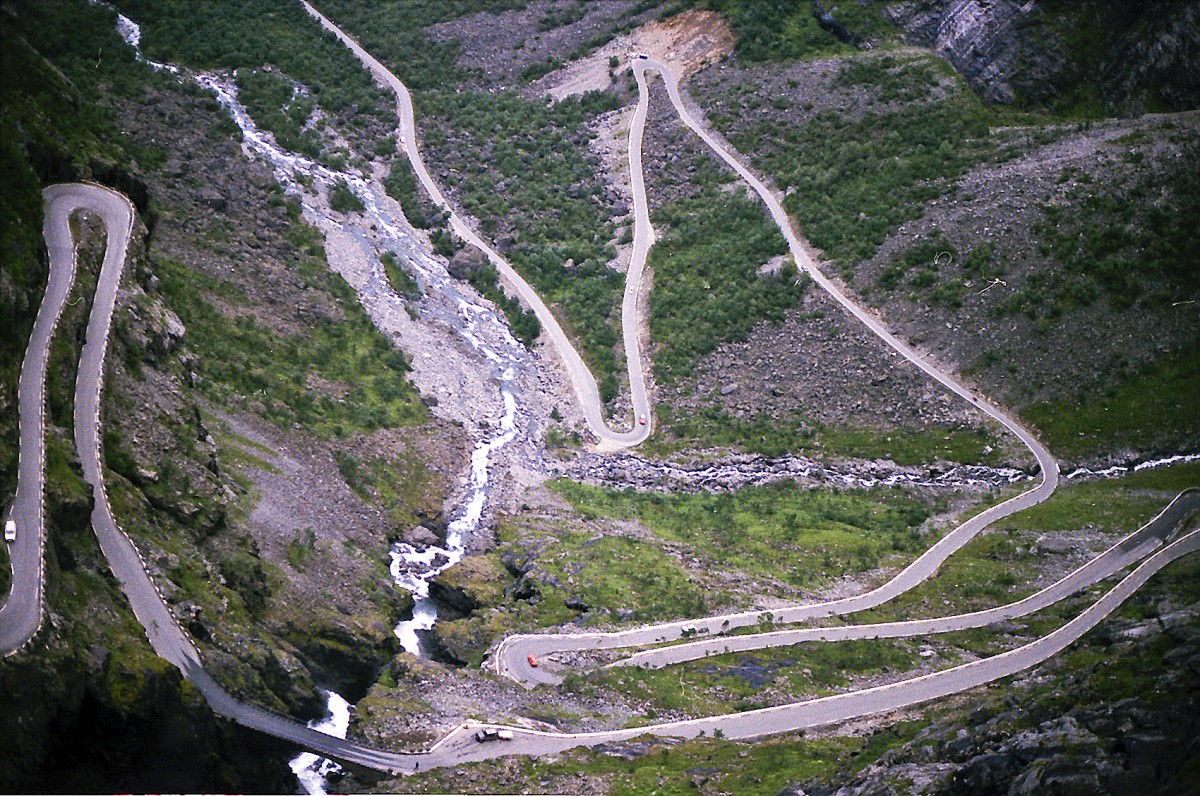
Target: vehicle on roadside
{"x": 488, "y": 734}
{"x": 10, "y": 530}
{"x": 533, "y": 661}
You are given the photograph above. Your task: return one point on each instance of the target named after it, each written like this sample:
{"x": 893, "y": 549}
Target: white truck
{"x": 10, "y": 530}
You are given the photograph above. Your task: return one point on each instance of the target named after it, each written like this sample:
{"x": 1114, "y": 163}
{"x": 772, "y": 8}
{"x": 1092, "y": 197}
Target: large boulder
{"x": 473, "y": 583}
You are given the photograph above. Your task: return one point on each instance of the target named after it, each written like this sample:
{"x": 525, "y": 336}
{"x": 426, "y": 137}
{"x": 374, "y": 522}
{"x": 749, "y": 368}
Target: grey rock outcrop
{"x": 996, "y": 46}
{"x": 1139, "y": 55}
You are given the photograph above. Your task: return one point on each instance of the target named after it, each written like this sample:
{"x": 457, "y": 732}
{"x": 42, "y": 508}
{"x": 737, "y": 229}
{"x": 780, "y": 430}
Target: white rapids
{"x": 485, "y": 333}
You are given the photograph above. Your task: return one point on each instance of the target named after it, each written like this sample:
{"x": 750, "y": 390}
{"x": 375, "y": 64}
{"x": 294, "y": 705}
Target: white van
{"x": 10, "y": 530}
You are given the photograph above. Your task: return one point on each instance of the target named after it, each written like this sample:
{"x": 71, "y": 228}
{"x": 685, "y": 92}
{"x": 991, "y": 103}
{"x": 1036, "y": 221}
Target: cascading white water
{"x": 311, "y": 770}
{"x": 1116, "y": 471}
{"x": 411, "y": 568}
{"x": 479, "y": 326}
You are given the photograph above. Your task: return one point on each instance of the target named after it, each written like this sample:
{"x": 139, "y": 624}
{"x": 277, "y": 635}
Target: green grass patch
{"x": 780, "y": 531}
{"x": 619, "y": 580}
{"x": 401, "y": 485}
{"x": 1155, "y": 410}
{"x": 707, "y": 289}
{"x": 342, "y": 198}
{"x": 400, "y": 280}
{"x": 712, "y": 427}
{"x": 734, "y": 682}
{"x": 242, "y": 357}
{"x": 1117, "y": 504}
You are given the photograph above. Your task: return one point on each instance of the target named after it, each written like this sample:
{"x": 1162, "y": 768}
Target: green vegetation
{"x": 707, "y": 289}
{"x": 894, "y": 79}
{"x": 532, "y": 182}
{"x": 1117, "y": 505}
{"x": 761, "y": 768}
{"x": 779, "y": 531}
{"x": 278, "y": 105}
{"x": 928, "y": 255}
{"x": 855, "y": 181}
{"x": 619, "y": 579}
{"x": 774, "y": 30}
{"x": 51, "y": 114}
{"x": 400, "y": 280}
{"x": 996, "y": 568}
{"x": 928, "y": 258}
{"x": 342, "y": 198}
{"x": 401, "y": 185}
{"x": 712, "y": 427}
{"x": 401, "y": 485}
{"x": 301, "y": 548}
{"x": 734, "y": 682}
{"x": 520, "y": 167}
{"x": 524, "y": 323}
{"x": 1151, "y": 410}
{"x": 564, "y": 15}
{"x": 394, "y": 32}
{"x": 341, "y": 378}
{"x": 237, "y": 34}
{"x": 1132, "y": 243}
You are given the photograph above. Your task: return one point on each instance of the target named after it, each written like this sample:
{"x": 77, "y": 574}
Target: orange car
{"x": 533, "y": 661}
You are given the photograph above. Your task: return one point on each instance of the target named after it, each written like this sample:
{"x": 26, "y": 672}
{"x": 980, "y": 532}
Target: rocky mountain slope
{"x": 984, "y": 174}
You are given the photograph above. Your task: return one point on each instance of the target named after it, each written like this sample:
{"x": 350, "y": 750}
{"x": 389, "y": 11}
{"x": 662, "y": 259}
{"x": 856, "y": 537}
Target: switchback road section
{"x": 581, "y": 377}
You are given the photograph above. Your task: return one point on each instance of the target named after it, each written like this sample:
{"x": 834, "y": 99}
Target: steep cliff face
{"x": 996, "y": 45}
{"x": 1098, "y": 56}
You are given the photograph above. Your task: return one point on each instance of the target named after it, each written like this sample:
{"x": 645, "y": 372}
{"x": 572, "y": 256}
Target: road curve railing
{"x": 22, "y": 611}
{"x": 581, "y": 377}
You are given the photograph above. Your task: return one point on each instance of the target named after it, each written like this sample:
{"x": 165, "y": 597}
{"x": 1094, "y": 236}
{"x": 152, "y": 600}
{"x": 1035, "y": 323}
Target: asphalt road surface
{"x": 21, "y": 614}
{"x": 510, "y": 658}
{"x": 171, "y": 642}
{"x": 581, "y": 377}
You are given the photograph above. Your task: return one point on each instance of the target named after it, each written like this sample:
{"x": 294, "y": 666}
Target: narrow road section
{"x": 581, "y": 377}
{"x": 21, "y": 614}
{"x": 512, "y": 655}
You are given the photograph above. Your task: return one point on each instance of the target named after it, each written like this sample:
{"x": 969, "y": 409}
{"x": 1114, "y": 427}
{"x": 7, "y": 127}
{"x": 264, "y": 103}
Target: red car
{"x": 641, "y": 420}
{"x": 533, "y": 661}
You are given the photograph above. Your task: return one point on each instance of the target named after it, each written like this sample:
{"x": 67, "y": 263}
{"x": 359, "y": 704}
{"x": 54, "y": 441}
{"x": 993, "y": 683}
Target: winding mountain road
{"x": 21, "y": 614}
{"x": 581, "y": 377}
{"x": 171, "y": 642}
{"x": 510, "y": 658}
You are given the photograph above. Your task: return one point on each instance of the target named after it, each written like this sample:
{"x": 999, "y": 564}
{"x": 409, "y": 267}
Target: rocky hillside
{"x": 1116, "y": 57}
{"x": 265, "y": 520}
{"x": 1010, "y": 185}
